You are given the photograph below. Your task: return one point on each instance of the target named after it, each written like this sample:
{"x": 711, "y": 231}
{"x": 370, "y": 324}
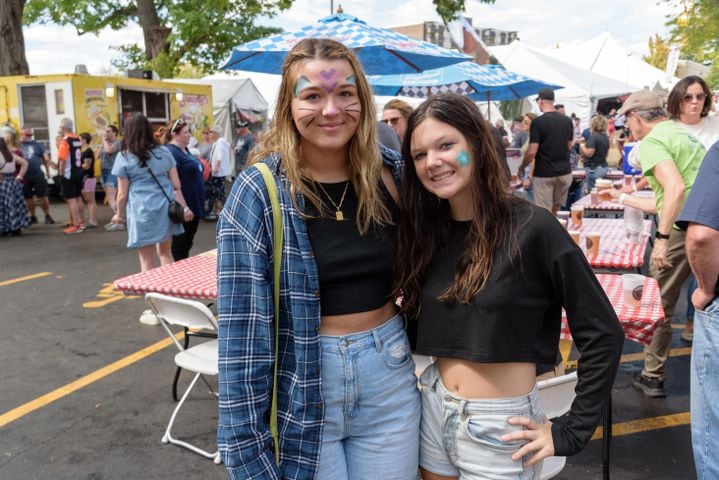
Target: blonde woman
{"x": 347, "y": 398}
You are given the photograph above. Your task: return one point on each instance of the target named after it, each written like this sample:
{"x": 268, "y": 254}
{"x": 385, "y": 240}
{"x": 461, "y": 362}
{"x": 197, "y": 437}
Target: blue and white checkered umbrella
{"x": 381, "y": 51}
{"x": 478, "y": 82}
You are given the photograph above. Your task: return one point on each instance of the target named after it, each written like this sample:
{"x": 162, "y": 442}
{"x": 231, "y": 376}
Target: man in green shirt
{"x": 670, "y": 158}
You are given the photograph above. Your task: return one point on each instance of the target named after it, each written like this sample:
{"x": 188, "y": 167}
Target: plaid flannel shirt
{"x": 246, "y": 332}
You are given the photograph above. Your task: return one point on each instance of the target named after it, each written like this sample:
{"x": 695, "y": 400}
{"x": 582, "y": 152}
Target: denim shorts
{"x": 372, "y": 405}
{"x": 108, "y": 179}
{"x": 461, "y": 437}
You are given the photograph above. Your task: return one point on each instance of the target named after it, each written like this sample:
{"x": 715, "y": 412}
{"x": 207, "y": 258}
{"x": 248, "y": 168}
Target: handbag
{"x": 175, "y": 211}
{"x": 277, "y": 239}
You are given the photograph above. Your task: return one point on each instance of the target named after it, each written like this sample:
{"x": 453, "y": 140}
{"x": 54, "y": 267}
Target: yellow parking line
{"x": 71, "y": 387}
{"x": 646, "y": 424}
{"x": 25, "y": 278}
{"x": 636, "y": 357}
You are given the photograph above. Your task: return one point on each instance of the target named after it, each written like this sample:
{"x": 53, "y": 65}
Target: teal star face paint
{"x": 302, "y": 83}
{"x": 463, "y": 159}
{"x": 352, "y": 80}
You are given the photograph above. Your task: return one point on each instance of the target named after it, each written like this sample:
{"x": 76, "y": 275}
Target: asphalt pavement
{"x": 85, "y": 388}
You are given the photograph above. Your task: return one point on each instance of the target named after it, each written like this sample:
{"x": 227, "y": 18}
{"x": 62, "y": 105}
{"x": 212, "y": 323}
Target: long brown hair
{"x": 425, "y": 218}
{"x": 365, "y": 163}
{"x": 138, "y": 137}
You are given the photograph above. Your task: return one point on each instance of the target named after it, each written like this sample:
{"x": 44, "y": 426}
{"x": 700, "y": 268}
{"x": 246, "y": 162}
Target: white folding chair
{"x": 200, "y": 359}
{"x": 556, "y": 396}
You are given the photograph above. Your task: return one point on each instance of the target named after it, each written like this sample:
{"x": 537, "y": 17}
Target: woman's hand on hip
{"x": 538, "y": 437}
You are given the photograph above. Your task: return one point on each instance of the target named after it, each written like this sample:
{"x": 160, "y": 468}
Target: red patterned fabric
{"x": 638, "y": 323}
{"x": 615, "y": 251}
{"x": 193, "y": 277}
{"x": 586, "y": 201}
{"x": 612, "y": 174}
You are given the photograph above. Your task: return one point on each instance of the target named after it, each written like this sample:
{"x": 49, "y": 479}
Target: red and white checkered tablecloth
{"x": 638, "y": 323}
{"x": 586, "y": 202}
{"x": 615, "y": 250}
{"x": 193, "y": 277}
{"x": 612, "y": 174}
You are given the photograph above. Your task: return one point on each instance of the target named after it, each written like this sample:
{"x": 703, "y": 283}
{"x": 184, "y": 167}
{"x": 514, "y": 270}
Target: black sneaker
{"x": 33, "y": 219}
{"x": 651, "y": 387}
{"x": 49, "y": 220}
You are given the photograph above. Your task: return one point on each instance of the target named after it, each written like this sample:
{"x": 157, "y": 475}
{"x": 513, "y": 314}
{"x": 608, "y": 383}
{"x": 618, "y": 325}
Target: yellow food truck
{"x": 94, "y": 102}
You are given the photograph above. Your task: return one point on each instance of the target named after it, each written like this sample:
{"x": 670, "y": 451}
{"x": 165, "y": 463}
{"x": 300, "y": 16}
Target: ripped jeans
{"x": 372, "y": 406}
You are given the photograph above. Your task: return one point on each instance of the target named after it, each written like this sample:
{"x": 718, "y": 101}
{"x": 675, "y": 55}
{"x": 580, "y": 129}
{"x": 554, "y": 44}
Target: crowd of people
{"x": 73, "y": 174}
{"x": 405, "y": 235}
{"x": 440, "y": 226}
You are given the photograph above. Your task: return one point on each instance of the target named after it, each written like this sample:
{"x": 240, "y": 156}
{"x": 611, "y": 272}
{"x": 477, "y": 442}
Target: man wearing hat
{"x": 670, "y": 158}
{"x": 245, "y": 142}
{"x": 550, "y": 139}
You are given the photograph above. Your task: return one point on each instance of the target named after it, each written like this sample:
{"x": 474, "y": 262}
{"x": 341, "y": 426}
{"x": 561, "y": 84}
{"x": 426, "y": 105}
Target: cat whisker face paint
{"x": 326, "y": 107}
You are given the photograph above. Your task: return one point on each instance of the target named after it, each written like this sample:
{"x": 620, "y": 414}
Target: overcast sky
{"x": 541, "y": 23}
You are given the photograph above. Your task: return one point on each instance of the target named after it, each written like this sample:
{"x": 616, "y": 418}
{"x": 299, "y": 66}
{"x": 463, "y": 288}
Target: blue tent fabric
{"x": 380, "y": 50}
{"x": 466, "y": 78}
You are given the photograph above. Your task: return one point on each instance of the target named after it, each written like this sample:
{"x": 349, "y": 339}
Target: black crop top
{"x": 516, "y": 317}
{"x": 355, "y": 272}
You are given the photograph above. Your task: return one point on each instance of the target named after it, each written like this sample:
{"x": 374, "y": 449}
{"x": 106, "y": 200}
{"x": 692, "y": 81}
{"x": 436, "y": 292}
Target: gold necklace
{"x": 339, "y": 216}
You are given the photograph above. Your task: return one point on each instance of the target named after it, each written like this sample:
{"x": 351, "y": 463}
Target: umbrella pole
{"x": 489, "y": 110}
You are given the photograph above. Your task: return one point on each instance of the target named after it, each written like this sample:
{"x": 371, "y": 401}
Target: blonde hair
{"x": 599, "y": 124}
{"x": 283, "y": 138}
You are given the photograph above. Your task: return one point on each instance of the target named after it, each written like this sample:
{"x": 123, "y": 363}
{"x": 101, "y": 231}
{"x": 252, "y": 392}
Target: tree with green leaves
{"x": 450, "y": 9}
{"x": 176, "y": 32}
{"x": 696, "y": 30}
{"x": 658, "y": 52}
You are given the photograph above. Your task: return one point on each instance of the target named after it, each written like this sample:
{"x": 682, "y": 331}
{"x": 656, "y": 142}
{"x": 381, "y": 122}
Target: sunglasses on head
{"x": 690, "y": 97}
{"x": 178, "y": 123}
{"x": 391, "y": 121}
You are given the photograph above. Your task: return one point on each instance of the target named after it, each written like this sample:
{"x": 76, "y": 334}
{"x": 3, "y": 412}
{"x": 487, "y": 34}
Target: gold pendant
{"x": 339, "y": 215}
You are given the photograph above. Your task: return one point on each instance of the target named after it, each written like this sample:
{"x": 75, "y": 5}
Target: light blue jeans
{"x": 372, "y": 406}
{"x": 592, "y": 175}
{"x": 461, "y": 437}
{"x": 705, "y": 391}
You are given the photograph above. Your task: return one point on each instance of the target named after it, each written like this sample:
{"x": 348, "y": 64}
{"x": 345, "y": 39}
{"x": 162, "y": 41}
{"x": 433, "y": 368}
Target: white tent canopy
{"x": 604, "y": 55}
{"x": 582, "y": 88}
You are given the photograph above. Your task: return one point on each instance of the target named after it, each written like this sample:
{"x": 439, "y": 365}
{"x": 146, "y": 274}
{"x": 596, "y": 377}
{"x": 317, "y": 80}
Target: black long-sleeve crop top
{"x": 516, "y": 317}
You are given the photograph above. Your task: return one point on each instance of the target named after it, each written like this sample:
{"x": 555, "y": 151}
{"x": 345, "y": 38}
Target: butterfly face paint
{"x": 463, "y": 159}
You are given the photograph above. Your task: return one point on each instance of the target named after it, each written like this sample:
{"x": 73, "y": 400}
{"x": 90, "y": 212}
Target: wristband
{"x": 186, "y": 210}
{"x": 621, "y": 198}
{"x": 661, "y": 236}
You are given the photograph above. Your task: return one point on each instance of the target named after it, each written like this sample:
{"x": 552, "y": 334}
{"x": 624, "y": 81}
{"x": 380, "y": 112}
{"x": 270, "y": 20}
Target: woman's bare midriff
{"x": 473, "y": 380}
{"x": 338, "y": 325}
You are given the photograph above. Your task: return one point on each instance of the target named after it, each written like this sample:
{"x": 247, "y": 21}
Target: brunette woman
{"x": 485, "y": 276}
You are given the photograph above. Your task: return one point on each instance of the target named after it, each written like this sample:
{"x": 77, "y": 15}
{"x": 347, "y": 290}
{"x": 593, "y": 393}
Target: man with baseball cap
{"x": 550, "y": 139}
{"x": 670, "y": 158}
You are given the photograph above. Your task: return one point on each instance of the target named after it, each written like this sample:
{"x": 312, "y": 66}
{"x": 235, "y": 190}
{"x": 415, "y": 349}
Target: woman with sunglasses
{"x": 348, "y": 405}
{"x": 189, "y": 169}
{"x": 689, "y": 104}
